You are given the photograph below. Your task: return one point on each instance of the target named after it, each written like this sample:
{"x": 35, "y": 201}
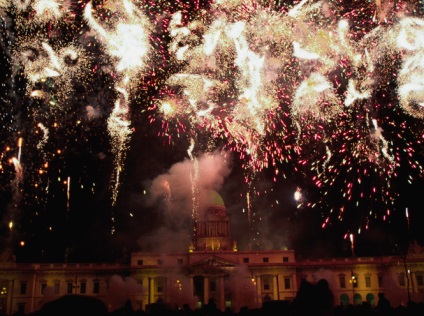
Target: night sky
{"x": 323, "y": 98}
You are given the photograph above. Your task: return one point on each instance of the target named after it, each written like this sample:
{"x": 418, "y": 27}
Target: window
{"x": 367, "y": 281}
{"x": 266, "y": 283}
{"x": 380, "y": 281}
{"x": 285, "y": 259}
{"x": 245, "y": 260}
{"x": 287, "y": 283}
{"x": 160, "y": 262}
{"x": 265, "y": 259}
{"x": 43, "y": 287}
{"x": 180, "y": 261}
{"x": 160, "y": 285}
{"x": 23, "y": 288}
{"x": 96, "y": 287}
{"x": 419, "y": 278}
{"x": 56, "y": 288}
{"x": 69, "y": 287}
{"x": 83, "y": 287}
{"x": 401, "y": 279}
{"x": 342, "y": 280}
{"x": 139, "y": 262}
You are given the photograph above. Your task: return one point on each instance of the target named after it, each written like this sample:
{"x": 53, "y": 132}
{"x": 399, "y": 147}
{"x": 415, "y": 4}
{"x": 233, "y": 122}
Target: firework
{"x": 332, "y": 90}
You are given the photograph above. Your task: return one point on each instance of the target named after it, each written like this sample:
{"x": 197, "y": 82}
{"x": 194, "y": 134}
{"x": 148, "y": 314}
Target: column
{"x": 221, "y": 303}
{"x": 11, "y": 294}
{"x": 293, "y": 279}
{"x": 145, "y": 292}
{"x": 206, "y": 289}
{"x": 151, "y": 290}
{"x": 413, "y": 283}
{"x": 259, "y": 289}
{"x": 191, "y": 286}
{"x": 275, "y": 288}
{"x": 33, "y": 290}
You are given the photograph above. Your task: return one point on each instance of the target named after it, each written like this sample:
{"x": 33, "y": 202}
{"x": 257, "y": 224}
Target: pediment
{"x": 213, "y": 261}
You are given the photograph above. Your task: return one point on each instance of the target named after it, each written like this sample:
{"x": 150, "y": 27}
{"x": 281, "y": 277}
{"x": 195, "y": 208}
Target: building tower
{"x": 213, "y": 224}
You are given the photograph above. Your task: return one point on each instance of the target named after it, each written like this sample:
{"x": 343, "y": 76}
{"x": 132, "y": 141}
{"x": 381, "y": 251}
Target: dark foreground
{"x": 77, "y": 305}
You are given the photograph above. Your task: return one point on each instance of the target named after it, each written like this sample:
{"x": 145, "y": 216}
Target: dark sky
{"x": 346, "y": 192}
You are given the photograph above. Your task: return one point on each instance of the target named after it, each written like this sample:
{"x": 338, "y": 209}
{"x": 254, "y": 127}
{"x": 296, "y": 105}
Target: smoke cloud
{"x": 172, "y": 194}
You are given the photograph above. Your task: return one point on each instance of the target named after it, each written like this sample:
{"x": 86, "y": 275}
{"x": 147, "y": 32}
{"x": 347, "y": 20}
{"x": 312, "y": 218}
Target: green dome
{"x": 211, "y": 198}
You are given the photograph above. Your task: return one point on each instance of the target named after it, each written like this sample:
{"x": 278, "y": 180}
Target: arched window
{"x": 370, "y": 299}
{"x": 357, "y": 299}
{"x": 344, "y": 300}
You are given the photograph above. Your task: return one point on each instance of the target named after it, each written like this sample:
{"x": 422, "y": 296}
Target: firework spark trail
{"x": 377, "y": 135}
{"x": 19, "y": 149}
{"x": 45, "y": 138}
{"x": 226, "y": 41}
{"x": 68, "y": 193}
{"x": 18, "y": 174}
{"x": 128, "y": 42}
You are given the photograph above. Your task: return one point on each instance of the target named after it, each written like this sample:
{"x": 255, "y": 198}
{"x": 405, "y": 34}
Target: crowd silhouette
{"x": 312, "y": 299}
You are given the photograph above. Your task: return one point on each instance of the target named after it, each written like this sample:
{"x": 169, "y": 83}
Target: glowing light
{"x": 297, "y": 195}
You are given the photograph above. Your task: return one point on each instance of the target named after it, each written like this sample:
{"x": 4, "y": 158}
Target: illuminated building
{"x": 213, "y": 268}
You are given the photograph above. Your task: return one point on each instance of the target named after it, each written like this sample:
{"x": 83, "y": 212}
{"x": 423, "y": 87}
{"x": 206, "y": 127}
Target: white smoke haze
{"x": 120, "y": 291}
{"x": 172, "y": 194}
{"x": 212, "y": 171}
{"x": 179, "y": 291}
{"x": 242, "y": 289}
{"x": 92, "y": 113}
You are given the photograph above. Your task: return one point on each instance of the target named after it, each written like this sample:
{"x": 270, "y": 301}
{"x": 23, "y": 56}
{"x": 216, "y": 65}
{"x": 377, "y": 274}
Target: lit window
{"x": 368, "y": 281}
{"x": 287, "y": 283}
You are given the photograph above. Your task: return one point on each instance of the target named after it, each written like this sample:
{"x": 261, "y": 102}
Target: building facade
{"x": 212, "y": 269}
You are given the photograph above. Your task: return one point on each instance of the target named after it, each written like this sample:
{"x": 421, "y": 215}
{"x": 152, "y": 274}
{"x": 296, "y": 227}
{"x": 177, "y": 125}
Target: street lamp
{"x": 353, "y": 281}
